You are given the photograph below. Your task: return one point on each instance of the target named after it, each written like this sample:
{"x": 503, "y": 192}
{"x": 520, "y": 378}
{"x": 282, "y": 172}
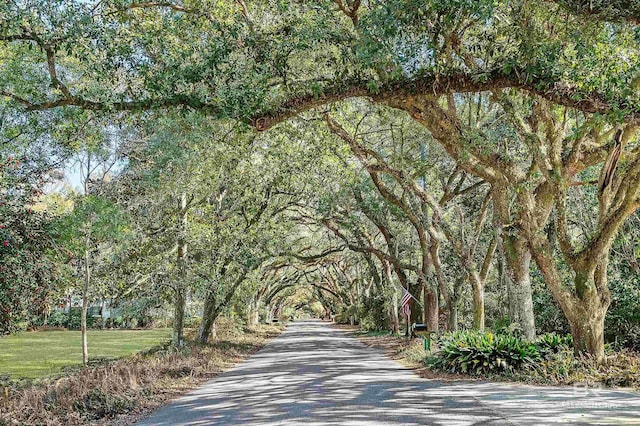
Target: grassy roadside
{"x": 408, "y": 352}
{"x": 121, "y": 392}
{"x": 33, "y": 354}
{"x": 621, "y": 370}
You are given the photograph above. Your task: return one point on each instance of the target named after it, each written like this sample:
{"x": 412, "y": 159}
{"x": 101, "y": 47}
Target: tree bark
{"x": 180, "y": 285}
{"x": 587, "y": 329}
{"x": 393, "y": 309}
{"x": 393, "y": 313}
{"x": 254, "y": 312}
{"x": 430, "y": 313}
{"x": 519, "y": 286}
{"x": 213, "y": 308}
{"x": 178, "y": 315}
{"x": 452, "y": 319}
{"x": 478, "y": 302}
{"x": 444, "y": 293}
{"x": 586, "y": 307}
{"x": 85, "y": 305}
{"x": 407, "y": 331}
{"x": 208, "y": 319}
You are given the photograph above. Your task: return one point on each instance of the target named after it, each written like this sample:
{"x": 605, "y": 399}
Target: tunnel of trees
{"x": 267, "y": 158}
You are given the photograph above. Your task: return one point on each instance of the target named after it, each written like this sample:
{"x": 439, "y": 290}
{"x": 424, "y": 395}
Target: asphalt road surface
{"x": 315, "y": 374}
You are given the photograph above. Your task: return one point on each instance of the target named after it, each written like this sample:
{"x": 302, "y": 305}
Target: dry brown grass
{"x": 120, "y": 392}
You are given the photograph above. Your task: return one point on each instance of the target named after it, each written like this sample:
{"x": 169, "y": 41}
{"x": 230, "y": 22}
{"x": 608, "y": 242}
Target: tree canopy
{"x": 336, "y": 153}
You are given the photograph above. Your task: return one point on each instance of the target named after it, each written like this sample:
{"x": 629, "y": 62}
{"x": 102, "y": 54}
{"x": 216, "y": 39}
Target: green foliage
{"x": 75, "y": 315}
{"x": 253, "y": 200}
{"x": 503, "y": 325}
{"x": 93, "y": 220}
{"x": 552, "y": 343}
{"x": 58, "y": 319}
{"x": 478, "y": 353}
{"x": 373, "y": 313}
{"x": 622, "y": 325}
{"x": 549, "y": 317}
{"x": 343, "y": 316}
{"x": 192, "y": 321}
{"x": 30, "y": 261}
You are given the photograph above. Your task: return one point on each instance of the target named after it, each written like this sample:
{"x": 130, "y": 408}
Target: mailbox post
{"x": 421, "y": 330}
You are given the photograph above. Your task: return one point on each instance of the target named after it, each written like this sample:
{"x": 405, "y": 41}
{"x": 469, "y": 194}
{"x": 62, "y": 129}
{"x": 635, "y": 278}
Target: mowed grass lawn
{"x": 40, "y": 353}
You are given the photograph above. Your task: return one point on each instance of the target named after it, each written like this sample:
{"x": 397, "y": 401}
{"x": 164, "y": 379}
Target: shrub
{"x": 73, "y": 319}
{"x": 373, "y": 314}
{"x": 58, "y": 319}
{"x": 98, "y": 404}
{"x": 229, "y": 326}
{"x": 620, "y": 369}
{"x": 504, "y": 326}
{"x": 117, "y": 322}
{"x": 342, "y": 316}
{"x": 551, "y": 343}
{"x": 192, "y": 321}
{"x": 95, "y": 322}
{"x": 622, "y": 324}
{"x": 565, "y": 367}
{"x": 483, "y": 353}
{"x": 550, "y": 360}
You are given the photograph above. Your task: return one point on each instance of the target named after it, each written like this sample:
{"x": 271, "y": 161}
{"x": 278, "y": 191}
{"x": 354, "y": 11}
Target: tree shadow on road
{"x": 313, "y": 374}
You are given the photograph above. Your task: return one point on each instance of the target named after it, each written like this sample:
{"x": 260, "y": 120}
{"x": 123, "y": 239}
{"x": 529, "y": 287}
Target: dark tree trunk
{"x": 178, "y": 316}
{"x": 431, "y": 310}
{"x": 85, "y": 306}
{"x": 180, "y": 290}
{"x": 208, "y": 319}
{"x": 393, "y": 313}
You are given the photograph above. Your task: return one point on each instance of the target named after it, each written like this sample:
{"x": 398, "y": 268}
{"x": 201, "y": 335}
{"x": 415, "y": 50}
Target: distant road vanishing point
{"x": 314, "y": 374}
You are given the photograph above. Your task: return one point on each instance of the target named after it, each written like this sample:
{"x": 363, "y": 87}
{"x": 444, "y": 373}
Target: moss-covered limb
{"x": 393, "y": 91}
{"x": 614, "y": 11}
{"x": 399, "y": 92}
{"x": 617, "y": 202}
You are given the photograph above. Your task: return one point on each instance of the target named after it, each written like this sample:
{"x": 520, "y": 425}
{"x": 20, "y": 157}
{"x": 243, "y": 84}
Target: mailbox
{"x": 421, "y": 330}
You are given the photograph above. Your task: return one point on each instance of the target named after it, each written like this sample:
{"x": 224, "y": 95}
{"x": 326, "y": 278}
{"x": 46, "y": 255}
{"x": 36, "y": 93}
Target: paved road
{"x": 315, "y": 374}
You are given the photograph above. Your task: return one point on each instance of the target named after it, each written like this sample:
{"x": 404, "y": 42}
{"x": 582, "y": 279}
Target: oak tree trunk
{"x": 478, "y": 302}
{"x": 178, "y": 315}
{"x": 254, "y": 313}
{"x": 586, "y": 319}
{"x": 519, "y": 286}
{"x": 452, "y": 319}
{"x": 208, "y": 319}
{"x": 393, "y": 313}
{"x": 587, "y": 329}
{"x": 180, "y": 285}
{"x": 85, "y": 306}
{"x": 430, "y": 314}
{"x": 584, "y": 307}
